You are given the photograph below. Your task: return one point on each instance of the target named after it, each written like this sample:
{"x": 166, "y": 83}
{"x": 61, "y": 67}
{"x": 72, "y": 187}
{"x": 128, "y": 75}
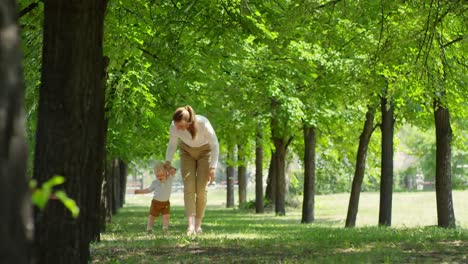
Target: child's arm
{"x": 143, "y": 191}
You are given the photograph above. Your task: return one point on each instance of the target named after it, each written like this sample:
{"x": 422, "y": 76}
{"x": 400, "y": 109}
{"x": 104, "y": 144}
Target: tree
{"x": 241, "y": 174}
{"x": 259, "y": 206}
{"x": 308, "y": 205}
{"x": 14, "y": 196}
{"x": 230, "y": 178}
{"x": 360, "y": 167}
{"x": 386, "y": 183}
{"x": 445, "y": 213}
{"x": 70, "y": 132}
{"x": 442, "y": 72}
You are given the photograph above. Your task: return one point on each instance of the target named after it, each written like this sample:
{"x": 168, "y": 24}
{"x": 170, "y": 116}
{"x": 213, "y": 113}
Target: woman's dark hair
{"x": 187, "y": 114}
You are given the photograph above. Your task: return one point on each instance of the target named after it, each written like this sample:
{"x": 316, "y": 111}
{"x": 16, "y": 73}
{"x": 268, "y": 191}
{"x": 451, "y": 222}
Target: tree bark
{"x": 308, "y": 203}
{"x": 123, "y": 181}
{"x": 96, "y": 236}
{"x": 116, "y": 185}
{"x": 230, "y": 179}
{"x": 443, "y": 180}
{"x": 364, "y": 140}
{"x": 109, "y": 182}
{"x": 104, "y": 208}
{"x": 70, "y": 131}
{"x": 241, "y": 175}
{"x": 280, "y": 149}
{"x": 15, "y": 205}
{"x": 259, "y": 208}
{"x": 270, "y": 192}
{"x": 386, "y": 183}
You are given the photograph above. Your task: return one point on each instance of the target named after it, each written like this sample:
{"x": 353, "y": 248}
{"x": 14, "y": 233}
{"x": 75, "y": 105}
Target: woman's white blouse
{"x": 205, "y": 135}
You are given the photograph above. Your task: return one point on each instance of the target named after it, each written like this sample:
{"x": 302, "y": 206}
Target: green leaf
{"x": 40, "y": 197}
{"x": 54, "y": 181}
{"x": 69, "y": 203}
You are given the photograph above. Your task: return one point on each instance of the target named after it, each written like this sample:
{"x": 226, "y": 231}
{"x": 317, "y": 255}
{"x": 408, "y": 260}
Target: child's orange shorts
{"x": 158, "y": 207}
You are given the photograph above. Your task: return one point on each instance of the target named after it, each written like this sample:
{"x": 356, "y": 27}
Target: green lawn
{"x": 240, "y": 236}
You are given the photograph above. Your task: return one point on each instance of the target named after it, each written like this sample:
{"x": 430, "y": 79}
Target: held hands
{"x": 211, "y": 175}
{"x": 170, "y": 170}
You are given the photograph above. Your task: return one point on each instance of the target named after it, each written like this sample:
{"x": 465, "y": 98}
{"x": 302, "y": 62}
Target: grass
{"x": 240, "y": 236}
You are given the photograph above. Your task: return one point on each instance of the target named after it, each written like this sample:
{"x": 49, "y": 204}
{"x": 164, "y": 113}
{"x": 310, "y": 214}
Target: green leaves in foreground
{"x": 41, "y": 196}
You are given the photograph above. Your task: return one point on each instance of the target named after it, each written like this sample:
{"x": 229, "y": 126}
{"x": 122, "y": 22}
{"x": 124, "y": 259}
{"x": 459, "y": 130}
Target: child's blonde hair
{"x": 159, "y": 165}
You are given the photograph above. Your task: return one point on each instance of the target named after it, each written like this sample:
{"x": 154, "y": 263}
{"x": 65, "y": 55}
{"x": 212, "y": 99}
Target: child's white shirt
{"x": 162, "y": 189}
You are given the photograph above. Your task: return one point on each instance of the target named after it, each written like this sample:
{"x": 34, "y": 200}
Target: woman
{"x": 199, "y": 150}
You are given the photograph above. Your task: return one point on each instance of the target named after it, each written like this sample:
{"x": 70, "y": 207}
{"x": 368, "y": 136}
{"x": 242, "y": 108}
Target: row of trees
{"x": 102, "y": 79}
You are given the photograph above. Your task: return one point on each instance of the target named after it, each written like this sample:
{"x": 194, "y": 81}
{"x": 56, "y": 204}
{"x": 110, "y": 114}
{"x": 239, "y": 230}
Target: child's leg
{"x": 165, "y": 221}
{"x": 150, "y": 224}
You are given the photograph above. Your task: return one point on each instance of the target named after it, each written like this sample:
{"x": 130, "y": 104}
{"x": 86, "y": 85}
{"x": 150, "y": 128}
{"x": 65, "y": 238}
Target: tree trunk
{"x": 123, "y": 181}
{"x": 364, "y": 140}
{"x": 241, "y": 175}
{"x": 230, "y": 179}
{"x": 96, "y": 236}
{"x": 116, "y": 185}
{"x": 309, "y": 175}
{"x": 70, "y": 130}
{"x": 280, "y": 149}
{"x": 259, "y": 209}
{"x": 270, "y": 192}
{"x": 104, "y": 201}
{"x": 443, "y": 180}
{"x": 109, "y": 179}
{"x": 15, "y": 206}
{"x": 386, "y": 183}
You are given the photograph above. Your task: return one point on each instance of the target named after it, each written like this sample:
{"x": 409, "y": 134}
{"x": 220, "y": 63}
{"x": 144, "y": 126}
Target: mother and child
{"x": 199, "y": 151}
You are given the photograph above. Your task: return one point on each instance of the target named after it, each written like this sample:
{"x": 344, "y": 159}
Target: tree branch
{"x": 28, "y": 9}
{"x": 453, "y": 41}
{"x": 333, "y": 2}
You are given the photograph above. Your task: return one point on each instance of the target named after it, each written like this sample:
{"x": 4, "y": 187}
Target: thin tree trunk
{"x": 270, "y": 192}
{"x": 443, "y": 180}
{"x": 259, "y": 209}
{"x": 116, "y": 185}
{"x": 123, "y": 181}
{"x": 230, "y": 179}
{"x": 96, "y": 236}
{"x": 109, "y": 183}
{"x": 15, "y": 205}
{"x": 308, "y": 203}
{"x": 280, "y": 147}
{"x": 104, "y": 201}
{"x": 241, "y": 175}
{"x": 364, "y": 140}
{"x": 70, "y": 130}
{"x": 386, "y": 184}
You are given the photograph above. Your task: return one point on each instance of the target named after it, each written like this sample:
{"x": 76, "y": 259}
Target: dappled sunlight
{"x": 243, "y": 236}
{"x": 234, "y": 236}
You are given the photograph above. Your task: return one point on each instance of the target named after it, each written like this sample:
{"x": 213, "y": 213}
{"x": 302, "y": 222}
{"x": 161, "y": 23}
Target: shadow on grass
{"x": 240, "y": 237}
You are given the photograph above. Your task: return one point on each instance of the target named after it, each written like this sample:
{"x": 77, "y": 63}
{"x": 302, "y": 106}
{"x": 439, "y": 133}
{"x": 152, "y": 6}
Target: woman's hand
{"x": 167, "y": 165}
{"x": 172, "y": 171}
{"x": 212, "y": 175}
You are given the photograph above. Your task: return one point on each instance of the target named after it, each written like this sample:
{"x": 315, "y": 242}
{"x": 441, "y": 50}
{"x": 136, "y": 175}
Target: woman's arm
{"x": 214, "y": 145}
{"x": 171, "y": 146}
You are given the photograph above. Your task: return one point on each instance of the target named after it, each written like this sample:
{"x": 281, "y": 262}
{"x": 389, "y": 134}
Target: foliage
{"x": 244, "y": 64}
{"x": 41, "y": 195}
{"x": 419, "y": 148}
